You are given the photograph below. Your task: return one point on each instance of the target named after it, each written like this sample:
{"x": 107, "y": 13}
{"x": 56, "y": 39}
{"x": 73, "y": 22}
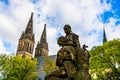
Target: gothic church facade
{"x": 27, "y": 41}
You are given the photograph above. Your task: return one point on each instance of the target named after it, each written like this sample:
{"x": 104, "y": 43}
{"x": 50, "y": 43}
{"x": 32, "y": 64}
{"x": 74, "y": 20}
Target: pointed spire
{"x": 27, "y": 40}
{"x": 28, "y": 34}
{"x": 42, "y": 45}
{"x": 29, "y": 28}
{"x": 104, "y": 36}
{"x": 43, "y": 37}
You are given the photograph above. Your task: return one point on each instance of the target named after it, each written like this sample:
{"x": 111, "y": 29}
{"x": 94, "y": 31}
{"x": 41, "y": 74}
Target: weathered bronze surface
{"x": 72, "y": 60}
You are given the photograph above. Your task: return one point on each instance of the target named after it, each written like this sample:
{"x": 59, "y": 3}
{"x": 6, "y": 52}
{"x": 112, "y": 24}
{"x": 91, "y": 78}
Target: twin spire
{"x": 42, "y": 45}
{"x": 43, "y": 36}
{"x": 43, "y": 39}
{"x": 27, "y": 41}
{"x": 28, "y": 33}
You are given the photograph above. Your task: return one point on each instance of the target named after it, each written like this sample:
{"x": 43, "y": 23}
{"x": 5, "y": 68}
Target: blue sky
{"x": 86, "y": 17}
{"x": 114, "y": 12}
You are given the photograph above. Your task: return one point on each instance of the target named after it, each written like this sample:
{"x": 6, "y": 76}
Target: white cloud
{"x": 112, "y": 29}
{"x": 2, "y": 48}
{"x": 52, "y": 42}
{"x": 82, "y": 15}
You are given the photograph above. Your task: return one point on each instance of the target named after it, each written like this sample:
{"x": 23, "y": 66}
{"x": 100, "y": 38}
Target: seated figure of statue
{"x": 82, "y": 62}
{"x": 66, "y": 57}
{"x": 72, "y": 60}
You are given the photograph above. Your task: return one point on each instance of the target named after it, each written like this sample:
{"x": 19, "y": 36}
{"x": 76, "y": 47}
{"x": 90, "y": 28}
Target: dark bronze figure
{"x": 70, "y": 59}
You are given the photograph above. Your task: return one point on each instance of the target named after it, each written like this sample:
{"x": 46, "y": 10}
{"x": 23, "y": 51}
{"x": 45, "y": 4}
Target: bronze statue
{"x": 69, "y": 58}
{"x": 70, "y": 39}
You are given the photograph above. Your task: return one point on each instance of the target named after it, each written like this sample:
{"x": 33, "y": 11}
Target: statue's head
{"x": 61, "y": 40}
{"x": 67, "y": 29}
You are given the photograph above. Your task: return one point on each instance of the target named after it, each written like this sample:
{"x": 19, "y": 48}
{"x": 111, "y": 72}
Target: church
{"x": 27, "y": 41}
{"x": 25, "y": 48}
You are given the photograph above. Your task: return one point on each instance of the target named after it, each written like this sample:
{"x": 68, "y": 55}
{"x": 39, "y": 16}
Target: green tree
{"x": 105, "y": 61}
{"x": 17, "y": 68}
{"x": 49, "y": 65}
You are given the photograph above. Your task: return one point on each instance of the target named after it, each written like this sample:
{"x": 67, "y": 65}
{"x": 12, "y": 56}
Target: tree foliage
{"x": 49, "y": 65}
{"x": 105, "y": 61}
{"x": 17, "y": 68}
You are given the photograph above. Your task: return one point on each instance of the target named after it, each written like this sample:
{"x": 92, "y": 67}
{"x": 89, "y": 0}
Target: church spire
{"x": 29, "y": 28}
{"x": 43, "y": 36}
{"x": 26, "y": 41}
{"x": 42, "y": 45}
{"x": 43, "y": 39}
{"x": 104, "y": 36}
{"x": 28, "y": 34}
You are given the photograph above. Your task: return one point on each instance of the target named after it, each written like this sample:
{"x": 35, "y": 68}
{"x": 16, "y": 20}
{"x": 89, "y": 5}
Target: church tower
{"x": 104, "y": 36}
{"x": 26, "y": 41}
{"x": 42, "y": 45}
